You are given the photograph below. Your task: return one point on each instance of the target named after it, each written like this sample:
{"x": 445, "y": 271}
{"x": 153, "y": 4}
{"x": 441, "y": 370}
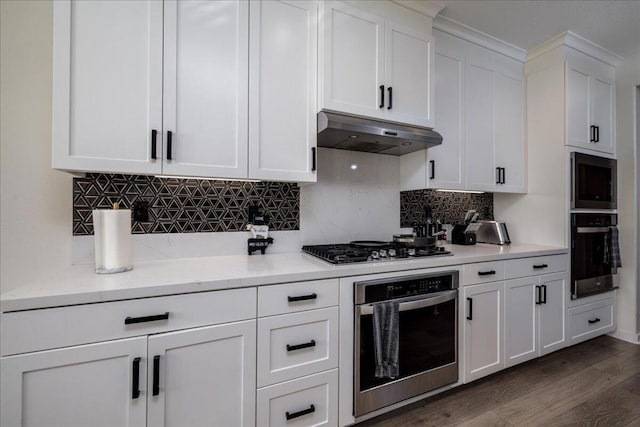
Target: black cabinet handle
{"x": 544, "y": 294}
{"x": 169, "y": 135}
{"x": 497, "y": 175}
{"x": 154, "y": 145}
{"x": 156, "y": 375}
{"x": 470, "y": 315}
{"x": 390, "y": 89}
{"x": 135, "y": 383}
{"x": 539, "y": 266}
{"x": 292, "y": 415}
{"x": 295, "y": 347}
{"x": 596, "y": 320}
{"x": 143, "y": 319}
{"x": 538, "y": 296}
{"x": 592, "y": 133}
{"x": 303, "y": 297}
{"x": 432, "y": 163}
{"x": 313, "y": 159}
{"x": 381, "y": 96}
{"x": 597, "y": 133}
{"x": 504, "y": 176}
{"x": 486, "y": 273}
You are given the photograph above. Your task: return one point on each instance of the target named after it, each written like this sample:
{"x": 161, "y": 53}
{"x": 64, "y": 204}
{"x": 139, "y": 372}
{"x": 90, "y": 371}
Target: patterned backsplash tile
{"x": 185, "y": 205}
{"x": 448, "y": 207}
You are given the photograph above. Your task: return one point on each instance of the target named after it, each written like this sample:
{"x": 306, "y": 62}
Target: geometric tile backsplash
{"x": 448, "y": 207}
{"x": 178, "y": 205}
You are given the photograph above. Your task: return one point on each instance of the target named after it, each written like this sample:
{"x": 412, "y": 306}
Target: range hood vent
{"x": 356, "y": 133}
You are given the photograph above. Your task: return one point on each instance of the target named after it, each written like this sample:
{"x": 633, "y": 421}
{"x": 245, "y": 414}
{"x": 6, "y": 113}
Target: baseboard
{"x": 626, "y": 336}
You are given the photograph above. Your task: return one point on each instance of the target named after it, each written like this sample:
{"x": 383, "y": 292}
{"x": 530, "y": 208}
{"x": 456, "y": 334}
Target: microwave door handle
{"x": 592, "y": 230}
{"x": 416, "y": 304}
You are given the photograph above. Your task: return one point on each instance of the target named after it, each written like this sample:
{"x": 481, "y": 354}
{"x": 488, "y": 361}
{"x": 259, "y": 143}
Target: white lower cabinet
{"x": 308, "y": 401}
{"x": 483, "y": 326}
{"x": 590, "y": 320}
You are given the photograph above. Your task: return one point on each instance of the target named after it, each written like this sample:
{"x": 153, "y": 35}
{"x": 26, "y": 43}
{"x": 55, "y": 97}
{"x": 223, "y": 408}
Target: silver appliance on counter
{"x": 493, "y": 232}
{"x": 356, "y": 133}
{"x": 427, "y": 339}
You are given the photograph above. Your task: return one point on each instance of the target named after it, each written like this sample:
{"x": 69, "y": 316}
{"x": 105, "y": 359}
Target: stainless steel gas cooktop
{"x": 372, "y": 251}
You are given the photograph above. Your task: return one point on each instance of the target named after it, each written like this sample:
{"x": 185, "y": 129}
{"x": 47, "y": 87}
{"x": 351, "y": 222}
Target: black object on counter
{"x": 258, "y": 245}
{"x": 459, "y": 237}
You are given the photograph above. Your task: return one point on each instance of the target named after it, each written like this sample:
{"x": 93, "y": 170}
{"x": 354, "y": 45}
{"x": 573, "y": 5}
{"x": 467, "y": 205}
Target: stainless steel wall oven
{"x": 427, "y": 338}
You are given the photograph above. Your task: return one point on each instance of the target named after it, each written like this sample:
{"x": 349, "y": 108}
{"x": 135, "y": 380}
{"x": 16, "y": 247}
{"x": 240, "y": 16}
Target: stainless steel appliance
{"x": 374, "y": 251}
{"x": 593, "y": 182}
{"x": 355, "y": 133}
{"x": 427, "y": 341}
{"x": 591, "y": 252}
{"x": 493, "y": 232}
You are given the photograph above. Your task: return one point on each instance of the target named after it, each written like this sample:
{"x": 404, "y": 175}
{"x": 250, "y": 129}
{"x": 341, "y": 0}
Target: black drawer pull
{"x": 486, "y": 273}
{"x": 169, "y": 147}
{"x": 390, "y": 90}
{"x": 154, "y": 144}
{"x": 313, "y": 159}
{"x": 470, "y": 315}
{"x": 539, "y": 266}
{"x": 303, "y": 297}
{"x": 294, "y": 347}
{"x": 432, "y": 163}
{"x": 596, "y": 320}
{"x": 292, "y": 415}
{"x": 156, "y": 375}
{"x": 381, "y": 96}
{"x": 143, "y": 319}
{"x": 135, "y": 383}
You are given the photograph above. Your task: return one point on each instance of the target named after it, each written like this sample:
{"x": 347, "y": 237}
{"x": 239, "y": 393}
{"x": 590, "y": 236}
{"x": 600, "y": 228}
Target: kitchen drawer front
{"x": 298, "y": 344}
{"x": 482, "y": 272}
{"x": 308, "y": 401}
{"x": 34, "y": 330}
{"x": 523, "y": 267}
{"x": 590, "y": 320}
{"x": 294, "y": 297}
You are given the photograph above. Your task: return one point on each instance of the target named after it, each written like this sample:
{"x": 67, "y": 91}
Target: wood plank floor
{"x": 595, "y": 383}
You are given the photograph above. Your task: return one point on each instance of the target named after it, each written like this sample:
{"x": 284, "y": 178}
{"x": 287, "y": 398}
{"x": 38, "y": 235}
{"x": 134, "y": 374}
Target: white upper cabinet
{"x": 373, "y": 67}
{"x": 107, "y": 86}
{"x": 283, "y": 87}
{"x": 205, "y": 88}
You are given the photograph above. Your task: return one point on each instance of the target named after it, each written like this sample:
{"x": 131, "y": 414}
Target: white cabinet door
{"x": 446, "y": 162}
{"x": 521, "y": 320}
{"x": 509, "y": 133}
{"x": 602, "y": 106}
{"x": 89, "y": 385}
{"x": 408, "y": 66}
{"x": 282, "y": 85}
{"x": 206, "y": 88}
{"x": 552, "y": 324}
{"x": 353, "y": 60}
{"x": 480, "y": 119}
{"x": 578, "y": 114}
{"x": 205, "y": 376}
{"x": 483, "y": 330}
{"x": 107, "y": 85}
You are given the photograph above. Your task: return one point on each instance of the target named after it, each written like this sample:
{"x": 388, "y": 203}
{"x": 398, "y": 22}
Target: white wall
{"x": 627, "y": 78}
{"x": 35, "y": 204}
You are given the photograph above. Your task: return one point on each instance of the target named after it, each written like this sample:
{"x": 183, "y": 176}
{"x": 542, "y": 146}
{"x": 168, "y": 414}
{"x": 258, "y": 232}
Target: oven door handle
{"x": 588, "y": 230}
{"x": 416, "y": 304}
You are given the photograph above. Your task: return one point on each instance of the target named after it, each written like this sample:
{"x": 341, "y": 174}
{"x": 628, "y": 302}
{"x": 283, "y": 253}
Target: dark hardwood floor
{"x": 595, "y": 383}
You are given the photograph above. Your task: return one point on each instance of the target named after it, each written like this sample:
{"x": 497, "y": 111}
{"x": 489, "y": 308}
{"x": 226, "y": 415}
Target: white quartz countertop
{"x": 80, "y": 284}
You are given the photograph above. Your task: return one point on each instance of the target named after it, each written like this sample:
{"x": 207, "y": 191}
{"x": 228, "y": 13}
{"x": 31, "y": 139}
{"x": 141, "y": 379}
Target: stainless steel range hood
{"x": 346, "y": 132}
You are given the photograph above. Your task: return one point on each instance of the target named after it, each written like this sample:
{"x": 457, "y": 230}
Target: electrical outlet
{"x": 141, "y": 211}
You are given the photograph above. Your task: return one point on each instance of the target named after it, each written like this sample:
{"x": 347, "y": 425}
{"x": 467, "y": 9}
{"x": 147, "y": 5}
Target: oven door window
{"x": 594, "y": 183}
{"x": 427, "y": 340}
{"x": 592, "y": 257}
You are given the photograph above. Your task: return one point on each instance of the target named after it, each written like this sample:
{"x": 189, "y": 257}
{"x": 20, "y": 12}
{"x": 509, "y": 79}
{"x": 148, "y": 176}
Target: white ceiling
{"x": 613, "y": 24}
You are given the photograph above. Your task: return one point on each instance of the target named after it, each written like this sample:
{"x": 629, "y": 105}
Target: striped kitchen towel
{"x": 615, "y": 249}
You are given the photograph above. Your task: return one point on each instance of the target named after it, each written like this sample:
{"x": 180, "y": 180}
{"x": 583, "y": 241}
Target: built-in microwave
{"x": 593, "y": 182}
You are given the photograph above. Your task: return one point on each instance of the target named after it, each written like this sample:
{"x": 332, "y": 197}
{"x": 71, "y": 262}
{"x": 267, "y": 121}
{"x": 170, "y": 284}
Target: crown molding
{"x": 472, "y": 35}
{"x": 578, "y": 43}
{"x": 426, "y": 7}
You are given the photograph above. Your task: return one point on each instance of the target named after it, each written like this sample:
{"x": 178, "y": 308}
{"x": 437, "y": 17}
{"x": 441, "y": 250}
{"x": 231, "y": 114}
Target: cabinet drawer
{"x": 300, "y": 296}
{"x": 293, "y": 345}
{"x": 308, "y": 401}
{"x": 482, "y": 272}
{"x": 590, "y": 320}
{"x": 34, "y": 330}
{"x": 535, "y": 265}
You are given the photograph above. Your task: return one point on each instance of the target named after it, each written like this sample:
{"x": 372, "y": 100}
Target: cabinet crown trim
{"x": 472, "y": 35}
{"x": 579, "y": 43}
{"x": 430, "y": 7}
